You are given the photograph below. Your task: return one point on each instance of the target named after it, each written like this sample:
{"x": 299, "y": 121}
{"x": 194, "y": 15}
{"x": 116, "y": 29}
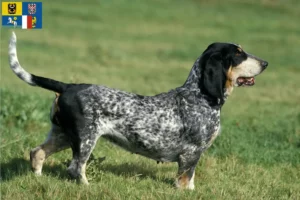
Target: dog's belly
{"x": 159, "y": 154}
{"x": 161, "y": 144}
{"x": 154, "y": 151}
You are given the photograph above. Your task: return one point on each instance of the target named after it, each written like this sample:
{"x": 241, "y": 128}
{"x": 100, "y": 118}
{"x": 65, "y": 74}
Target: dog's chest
{"x": 208, "y": 129}
{"x": 211, "y": 137}
{"x": 215, "y": 128}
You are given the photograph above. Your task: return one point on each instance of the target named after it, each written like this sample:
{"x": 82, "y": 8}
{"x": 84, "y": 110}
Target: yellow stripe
{"x": 18, "y": 8}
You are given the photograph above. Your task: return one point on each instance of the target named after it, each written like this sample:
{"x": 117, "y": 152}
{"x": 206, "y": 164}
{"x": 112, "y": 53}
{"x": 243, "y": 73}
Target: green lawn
{"x": 148, "y": 47}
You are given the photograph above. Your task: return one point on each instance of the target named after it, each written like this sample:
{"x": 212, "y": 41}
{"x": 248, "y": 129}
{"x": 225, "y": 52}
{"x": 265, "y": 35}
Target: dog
{"x": 175, "y": 126}
{"x": 12, "y": 8}
{"x": 11, "y": 21}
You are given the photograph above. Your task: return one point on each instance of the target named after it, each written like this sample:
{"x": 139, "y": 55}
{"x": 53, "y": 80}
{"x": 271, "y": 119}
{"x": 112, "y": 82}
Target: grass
{"x": 148, "y": 47}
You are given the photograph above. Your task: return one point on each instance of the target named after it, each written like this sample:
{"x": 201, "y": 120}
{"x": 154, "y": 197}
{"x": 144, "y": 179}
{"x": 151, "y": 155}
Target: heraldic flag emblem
{"x": 25, "y": 15}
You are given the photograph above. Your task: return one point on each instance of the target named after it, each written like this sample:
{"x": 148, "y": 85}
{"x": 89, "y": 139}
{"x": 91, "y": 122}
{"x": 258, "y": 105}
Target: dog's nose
{"x": 264, "y": 64}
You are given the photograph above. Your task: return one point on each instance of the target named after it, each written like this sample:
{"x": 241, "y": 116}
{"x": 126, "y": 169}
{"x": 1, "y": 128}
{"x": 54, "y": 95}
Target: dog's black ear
{"x": 214, "y": 76}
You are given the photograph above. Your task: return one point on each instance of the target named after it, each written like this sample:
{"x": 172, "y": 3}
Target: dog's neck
{"x": 193, "y": 83}
{"x": 193, "y": 80}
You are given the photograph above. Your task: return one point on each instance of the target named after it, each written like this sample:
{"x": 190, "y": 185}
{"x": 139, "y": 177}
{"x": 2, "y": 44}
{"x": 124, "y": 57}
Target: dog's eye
{"x": 238, "y": 52}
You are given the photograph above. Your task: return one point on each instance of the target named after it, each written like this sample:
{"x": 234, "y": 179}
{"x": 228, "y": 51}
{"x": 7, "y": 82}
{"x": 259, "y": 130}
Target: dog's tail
{"x": 31, "y": 79}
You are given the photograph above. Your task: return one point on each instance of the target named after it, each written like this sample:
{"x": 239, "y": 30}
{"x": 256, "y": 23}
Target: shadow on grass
{"x": 58, "y": 171}
{"x": 19, "y": 167}
{"x": 129, "y": 170}
{"x": 15, "y": 167}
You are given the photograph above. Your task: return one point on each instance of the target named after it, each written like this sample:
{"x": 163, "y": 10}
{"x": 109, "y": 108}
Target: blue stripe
{"x": 5, "y": 21}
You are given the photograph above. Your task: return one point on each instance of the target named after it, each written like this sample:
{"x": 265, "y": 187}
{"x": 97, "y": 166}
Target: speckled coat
{"x": 176, "y": 126}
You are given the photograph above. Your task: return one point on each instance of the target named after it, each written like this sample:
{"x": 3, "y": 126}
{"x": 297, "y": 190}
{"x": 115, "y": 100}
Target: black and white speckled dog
{"x": 176, "y": 126}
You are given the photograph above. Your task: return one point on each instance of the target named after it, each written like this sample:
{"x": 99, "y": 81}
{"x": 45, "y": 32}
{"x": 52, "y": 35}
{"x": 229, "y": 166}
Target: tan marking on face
{"x": 240, "y": 49}
{"x": 229, "y": 82}
{"x": 240, "y": 46}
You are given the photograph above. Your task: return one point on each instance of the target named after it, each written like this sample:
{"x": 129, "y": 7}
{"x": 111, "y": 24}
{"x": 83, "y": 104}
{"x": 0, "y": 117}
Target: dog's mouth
{"x": 245, "y": 81}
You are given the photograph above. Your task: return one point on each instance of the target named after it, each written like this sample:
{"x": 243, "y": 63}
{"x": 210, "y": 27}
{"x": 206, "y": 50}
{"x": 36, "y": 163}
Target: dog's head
{"x": 12, "y": 8}
{"x": 225, "y": 65}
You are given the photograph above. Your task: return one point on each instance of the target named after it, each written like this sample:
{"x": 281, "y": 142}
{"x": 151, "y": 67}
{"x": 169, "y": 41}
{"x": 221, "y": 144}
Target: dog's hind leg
{"x": 55, "y": 142}
{"x": 186, "y": 172}
{"x": 81, "y": 153}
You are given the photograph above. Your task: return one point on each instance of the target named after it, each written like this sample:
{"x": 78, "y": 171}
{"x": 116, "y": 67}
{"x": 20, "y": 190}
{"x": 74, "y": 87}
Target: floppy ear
{"x": 214, "y": 76}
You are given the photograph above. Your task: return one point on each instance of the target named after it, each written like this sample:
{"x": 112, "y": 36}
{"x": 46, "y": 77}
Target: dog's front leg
{"x": 186, "y": 170}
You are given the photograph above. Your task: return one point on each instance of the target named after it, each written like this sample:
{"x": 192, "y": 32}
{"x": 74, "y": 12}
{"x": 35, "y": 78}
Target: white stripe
{"x": 14, "y": 62}
{"x": 24, "y": 21}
